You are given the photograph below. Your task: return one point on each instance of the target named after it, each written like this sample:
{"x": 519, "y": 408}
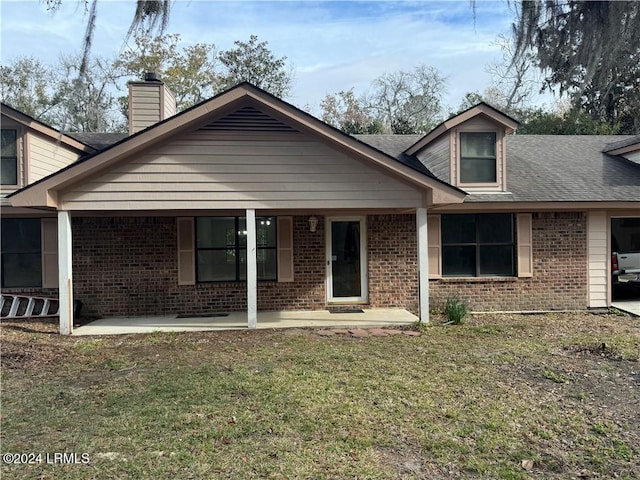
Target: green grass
{"x": 467, "y": 402}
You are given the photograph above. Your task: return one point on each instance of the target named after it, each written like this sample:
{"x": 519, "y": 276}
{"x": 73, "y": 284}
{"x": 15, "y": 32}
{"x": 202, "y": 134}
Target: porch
{"x": 366, "y": 318}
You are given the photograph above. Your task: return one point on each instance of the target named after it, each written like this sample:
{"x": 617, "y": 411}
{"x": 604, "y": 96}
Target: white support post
{"x": 252, "y": 271}
{"x": 423, "y": 263}
{"x": 65, "y": 292}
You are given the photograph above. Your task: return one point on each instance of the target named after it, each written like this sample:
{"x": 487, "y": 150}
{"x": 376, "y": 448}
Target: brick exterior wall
{"x": 392, "y": 258}
{"x": 128, "y": 266}
{"x": 559, "y": 272}
{"x": 308, "y": 290}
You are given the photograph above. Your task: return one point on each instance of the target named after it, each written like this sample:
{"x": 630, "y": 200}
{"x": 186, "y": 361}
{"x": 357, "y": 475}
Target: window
{"x": 478, "y": 245}
{"x": 478, "y": 157}
{"x": 9, "y": 165}
{"x": 21, "y": 252}
{"x": 221, "y": 248}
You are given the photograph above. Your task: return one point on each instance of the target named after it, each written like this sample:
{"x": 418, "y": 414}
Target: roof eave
{"x": 40, "y": 127}
{"x": 44, "y": 192}
{"x": 510, "y": 124}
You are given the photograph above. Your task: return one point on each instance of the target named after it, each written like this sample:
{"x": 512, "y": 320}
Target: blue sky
{"x": 331, "y": 46}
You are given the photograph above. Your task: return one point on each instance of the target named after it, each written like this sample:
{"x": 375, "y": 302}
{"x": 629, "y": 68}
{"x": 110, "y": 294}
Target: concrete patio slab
{"x": 629, "y": 306}
{"x": 369, "y": 318}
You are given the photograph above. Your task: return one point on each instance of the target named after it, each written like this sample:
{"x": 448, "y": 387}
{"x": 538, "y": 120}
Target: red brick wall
{"x": 308, "y": 290}
{"x": 392, "y": 258}
{"x": 128, "y": 266}
{"x": 559, "y": 272}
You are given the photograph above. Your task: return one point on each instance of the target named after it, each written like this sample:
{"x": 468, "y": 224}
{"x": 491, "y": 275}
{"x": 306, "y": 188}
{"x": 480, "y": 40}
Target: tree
{"x": 346, "y": 112}
{"x": 190, "y": 72}
{"x": 150, "y": 16}
{"x": 253, "y": 62}
{"x": 399, "y": 102}
{"x": 58, "y": 96}
{"x": 537, "y": 121}
{"x": 513, "y": 79}
{"x": 30, "y": 86}
{"x": 469, "y": 100}
{"x": 590, "y": 50}
{"x": 87, "y": 103}
{"x": 408, "y": 102}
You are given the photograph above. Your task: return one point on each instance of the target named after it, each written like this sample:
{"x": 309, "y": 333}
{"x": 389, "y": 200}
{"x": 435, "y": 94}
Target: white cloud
{"x": 331, "y": 45}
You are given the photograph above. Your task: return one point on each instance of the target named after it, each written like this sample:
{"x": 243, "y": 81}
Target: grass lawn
{"x": 469, "y": 401}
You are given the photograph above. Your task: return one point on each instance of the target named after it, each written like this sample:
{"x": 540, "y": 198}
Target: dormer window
{"x": 9, "y": 165}
{"x": 478, "y": 157}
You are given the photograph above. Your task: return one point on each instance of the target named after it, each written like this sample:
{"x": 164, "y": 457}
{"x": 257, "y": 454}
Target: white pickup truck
{"x": 625, "y": 267}
{"x": 625, "y": 248}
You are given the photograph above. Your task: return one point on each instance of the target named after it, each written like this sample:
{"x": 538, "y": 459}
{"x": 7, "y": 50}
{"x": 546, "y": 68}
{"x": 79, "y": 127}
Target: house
{"x": 246, "y": 203}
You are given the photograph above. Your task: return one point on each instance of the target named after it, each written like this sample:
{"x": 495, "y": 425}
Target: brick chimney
{"x": 150, "y": 102}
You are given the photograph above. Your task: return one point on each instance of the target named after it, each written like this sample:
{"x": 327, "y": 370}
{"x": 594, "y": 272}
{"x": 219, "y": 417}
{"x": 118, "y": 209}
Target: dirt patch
{"x": 601, "y": 350}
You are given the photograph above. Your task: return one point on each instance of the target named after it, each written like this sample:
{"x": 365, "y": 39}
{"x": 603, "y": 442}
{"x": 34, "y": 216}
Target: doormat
{"x": 351, "y": 310}
{"x": 201, "y": 315}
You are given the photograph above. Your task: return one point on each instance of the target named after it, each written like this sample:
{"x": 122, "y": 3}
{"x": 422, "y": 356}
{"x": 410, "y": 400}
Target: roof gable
{"x": 483, "y": 109}
{"x": 628, "y": 148}
{"x": 244, "y": 109}
{"x": 46, "y": 130}
{"x": 249, "y": 119}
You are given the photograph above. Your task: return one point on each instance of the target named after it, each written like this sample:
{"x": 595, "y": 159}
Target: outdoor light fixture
{"x": 313, "y": 223}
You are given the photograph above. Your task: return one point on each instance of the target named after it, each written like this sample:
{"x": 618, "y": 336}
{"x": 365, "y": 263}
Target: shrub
{"x": 456, "y": 309}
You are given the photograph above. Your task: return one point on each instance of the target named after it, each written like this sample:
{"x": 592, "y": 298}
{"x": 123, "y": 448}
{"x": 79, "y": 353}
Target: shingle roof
{"x": 569, "y": 168}
{"x": 97, "y": 140}
{"x": 540, "y": 168}
{"x": 394, "y": 146}
{"x": 622, "y": 143}
{"x": 550, "y": 168}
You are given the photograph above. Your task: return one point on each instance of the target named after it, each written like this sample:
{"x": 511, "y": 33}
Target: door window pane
{"x": 345, "y": 261}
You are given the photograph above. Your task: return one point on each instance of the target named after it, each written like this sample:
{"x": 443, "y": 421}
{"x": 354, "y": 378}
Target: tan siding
{"x": 169, "y": 103}
{"x": 200, "y": 171}
{"x": 46, "y": 157}
{"x": 634, "y": 156}
{"x": 145, "y": 106}
{"x": 438, "y": 156}
{"x": 481, "y": 124}
{"x": 598, "y": 258}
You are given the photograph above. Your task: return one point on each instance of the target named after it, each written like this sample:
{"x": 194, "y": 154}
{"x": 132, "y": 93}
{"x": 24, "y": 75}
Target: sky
{"x": 330, "y": 45}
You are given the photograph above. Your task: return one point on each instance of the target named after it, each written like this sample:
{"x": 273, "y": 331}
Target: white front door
{"x": 346, "y": 259}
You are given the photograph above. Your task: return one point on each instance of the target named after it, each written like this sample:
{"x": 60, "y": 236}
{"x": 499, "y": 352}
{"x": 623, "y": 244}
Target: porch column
{"x": 252, "y": 273}
{"x": 65, "y": 290}
{"x": 423, "y": 263}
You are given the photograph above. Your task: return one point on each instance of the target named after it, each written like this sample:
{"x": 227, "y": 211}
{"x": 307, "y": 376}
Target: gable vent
{"x": 248, "y": 119}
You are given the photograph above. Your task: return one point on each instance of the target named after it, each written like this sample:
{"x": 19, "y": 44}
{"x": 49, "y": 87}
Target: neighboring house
{"x": 244, "y": 202}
